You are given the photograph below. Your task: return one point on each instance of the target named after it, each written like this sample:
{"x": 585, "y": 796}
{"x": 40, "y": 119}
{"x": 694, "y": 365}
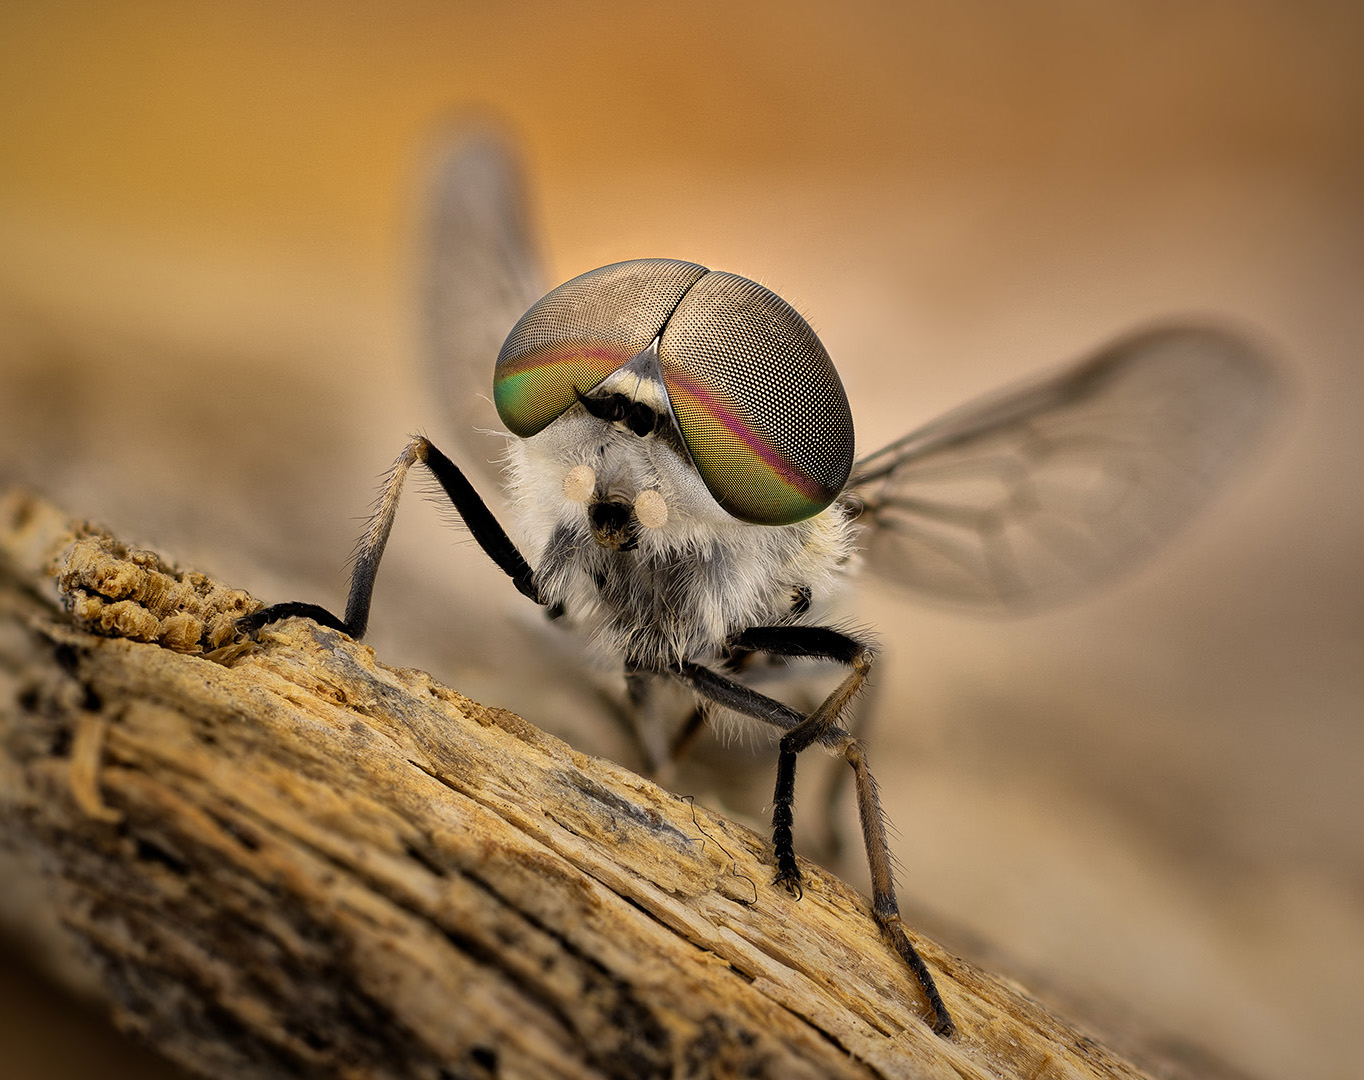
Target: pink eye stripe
{"x": 725, "y": 444}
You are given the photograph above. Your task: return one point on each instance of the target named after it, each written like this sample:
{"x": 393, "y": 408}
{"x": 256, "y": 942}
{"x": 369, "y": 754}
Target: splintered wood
{"x": 285, "y": 858}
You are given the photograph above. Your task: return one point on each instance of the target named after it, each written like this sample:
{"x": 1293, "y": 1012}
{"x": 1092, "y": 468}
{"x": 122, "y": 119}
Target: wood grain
{"x": 286, "y": 858}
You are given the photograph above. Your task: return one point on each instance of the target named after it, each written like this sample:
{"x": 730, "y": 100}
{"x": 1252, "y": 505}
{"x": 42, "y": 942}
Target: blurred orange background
{"x": 1151, "y": 799}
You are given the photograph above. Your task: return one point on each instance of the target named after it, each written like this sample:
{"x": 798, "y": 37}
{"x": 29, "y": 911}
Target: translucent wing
{"x": 479, "y": 274}
{"x": 1023, "y": 499}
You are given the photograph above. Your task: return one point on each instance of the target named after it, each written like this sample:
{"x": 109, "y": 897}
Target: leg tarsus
{"x": 783, "y": 822}
{"x": 250, "y": 624}
{"x": 790, "y": 878}
{"x": 885, "y": 906}
{"x": 893, "y": 933}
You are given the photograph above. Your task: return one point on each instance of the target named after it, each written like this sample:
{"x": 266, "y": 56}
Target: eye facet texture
{"x": 756, "y": 398}
{"x": 576, "y": 335}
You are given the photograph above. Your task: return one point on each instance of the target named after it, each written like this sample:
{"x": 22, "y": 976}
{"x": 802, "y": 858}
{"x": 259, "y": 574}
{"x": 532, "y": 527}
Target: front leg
{"x": 485, "y": 528}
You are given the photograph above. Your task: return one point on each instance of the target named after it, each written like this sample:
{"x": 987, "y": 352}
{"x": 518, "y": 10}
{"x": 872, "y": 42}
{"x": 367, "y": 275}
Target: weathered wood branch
{"x": 285, "y": 858}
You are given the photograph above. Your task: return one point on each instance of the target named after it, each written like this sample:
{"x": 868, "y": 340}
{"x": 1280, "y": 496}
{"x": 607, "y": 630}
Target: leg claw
{"x": 789, "y": 879}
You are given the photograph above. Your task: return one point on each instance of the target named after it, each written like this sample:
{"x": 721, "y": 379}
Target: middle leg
{"x": 801, "y": 732}
{"x": 818, "y": 642}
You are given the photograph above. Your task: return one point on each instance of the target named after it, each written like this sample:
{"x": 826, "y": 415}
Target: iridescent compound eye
{"x": 756, "y": 398}
{"x": 576, "y": 335}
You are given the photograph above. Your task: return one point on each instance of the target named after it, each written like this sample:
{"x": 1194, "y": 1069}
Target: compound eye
{"x": 580, "y": 333}
{"x": 759, "y": 404}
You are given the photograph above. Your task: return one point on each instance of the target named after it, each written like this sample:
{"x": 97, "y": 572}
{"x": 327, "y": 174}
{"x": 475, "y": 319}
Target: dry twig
{"x": 285, "y": 858}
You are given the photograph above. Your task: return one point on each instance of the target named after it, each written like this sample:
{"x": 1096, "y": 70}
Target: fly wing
{"x": 1023, "y": 499}
{"x": 479, "y": 274}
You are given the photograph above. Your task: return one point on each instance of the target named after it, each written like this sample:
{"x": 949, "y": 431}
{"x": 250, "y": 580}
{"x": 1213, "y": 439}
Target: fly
{"x": 682, "y": 478}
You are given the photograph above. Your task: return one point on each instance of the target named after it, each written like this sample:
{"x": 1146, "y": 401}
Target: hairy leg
{"x": 486, "y": 530}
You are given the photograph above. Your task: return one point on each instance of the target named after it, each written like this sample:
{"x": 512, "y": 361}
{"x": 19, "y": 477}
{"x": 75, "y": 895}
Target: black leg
{"x": 820, "y": 642}
{"x": 491, "y": 537}
{"x": 814, "y": 641}
{"x": 485, "y": 528}
{"x": 737, "y": 696}
{"x": 749, "y": 702}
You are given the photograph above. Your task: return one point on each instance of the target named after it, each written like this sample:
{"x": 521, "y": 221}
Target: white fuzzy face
{"x": 687, "y": 575}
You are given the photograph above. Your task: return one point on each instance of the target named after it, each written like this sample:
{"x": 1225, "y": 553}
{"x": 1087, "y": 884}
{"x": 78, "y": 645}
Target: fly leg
{"x": 486, "y": 530}
{"x": 859, "y": 720}
{"x": 801, "y": 732}
{"x": 822, "y": 643}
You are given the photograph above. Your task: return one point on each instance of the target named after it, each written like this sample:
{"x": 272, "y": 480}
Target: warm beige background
{"x": 1151, "y": 800}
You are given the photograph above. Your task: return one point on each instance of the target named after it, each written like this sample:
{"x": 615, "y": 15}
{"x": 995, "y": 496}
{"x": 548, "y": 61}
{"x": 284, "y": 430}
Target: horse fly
{"x": 682, "y": 478}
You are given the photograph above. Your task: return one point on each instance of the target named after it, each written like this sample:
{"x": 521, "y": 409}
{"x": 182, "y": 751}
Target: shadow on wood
{"x": 284, "y": 858}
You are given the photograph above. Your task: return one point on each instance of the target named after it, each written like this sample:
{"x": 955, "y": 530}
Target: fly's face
{"x": 624, "y": 459}
{"x": 713, "y": 368}
{"x": 617, "y": 461}
{"x": 682, "y": 436}
{"x": 628, "y": 541}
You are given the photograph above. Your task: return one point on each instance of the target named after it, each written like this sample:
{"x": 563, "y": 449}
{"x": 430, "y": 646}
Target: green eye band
{"x": 746, "y": 472}
{"x": 576, "y": 335}
{"x": 538, "y": 387}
